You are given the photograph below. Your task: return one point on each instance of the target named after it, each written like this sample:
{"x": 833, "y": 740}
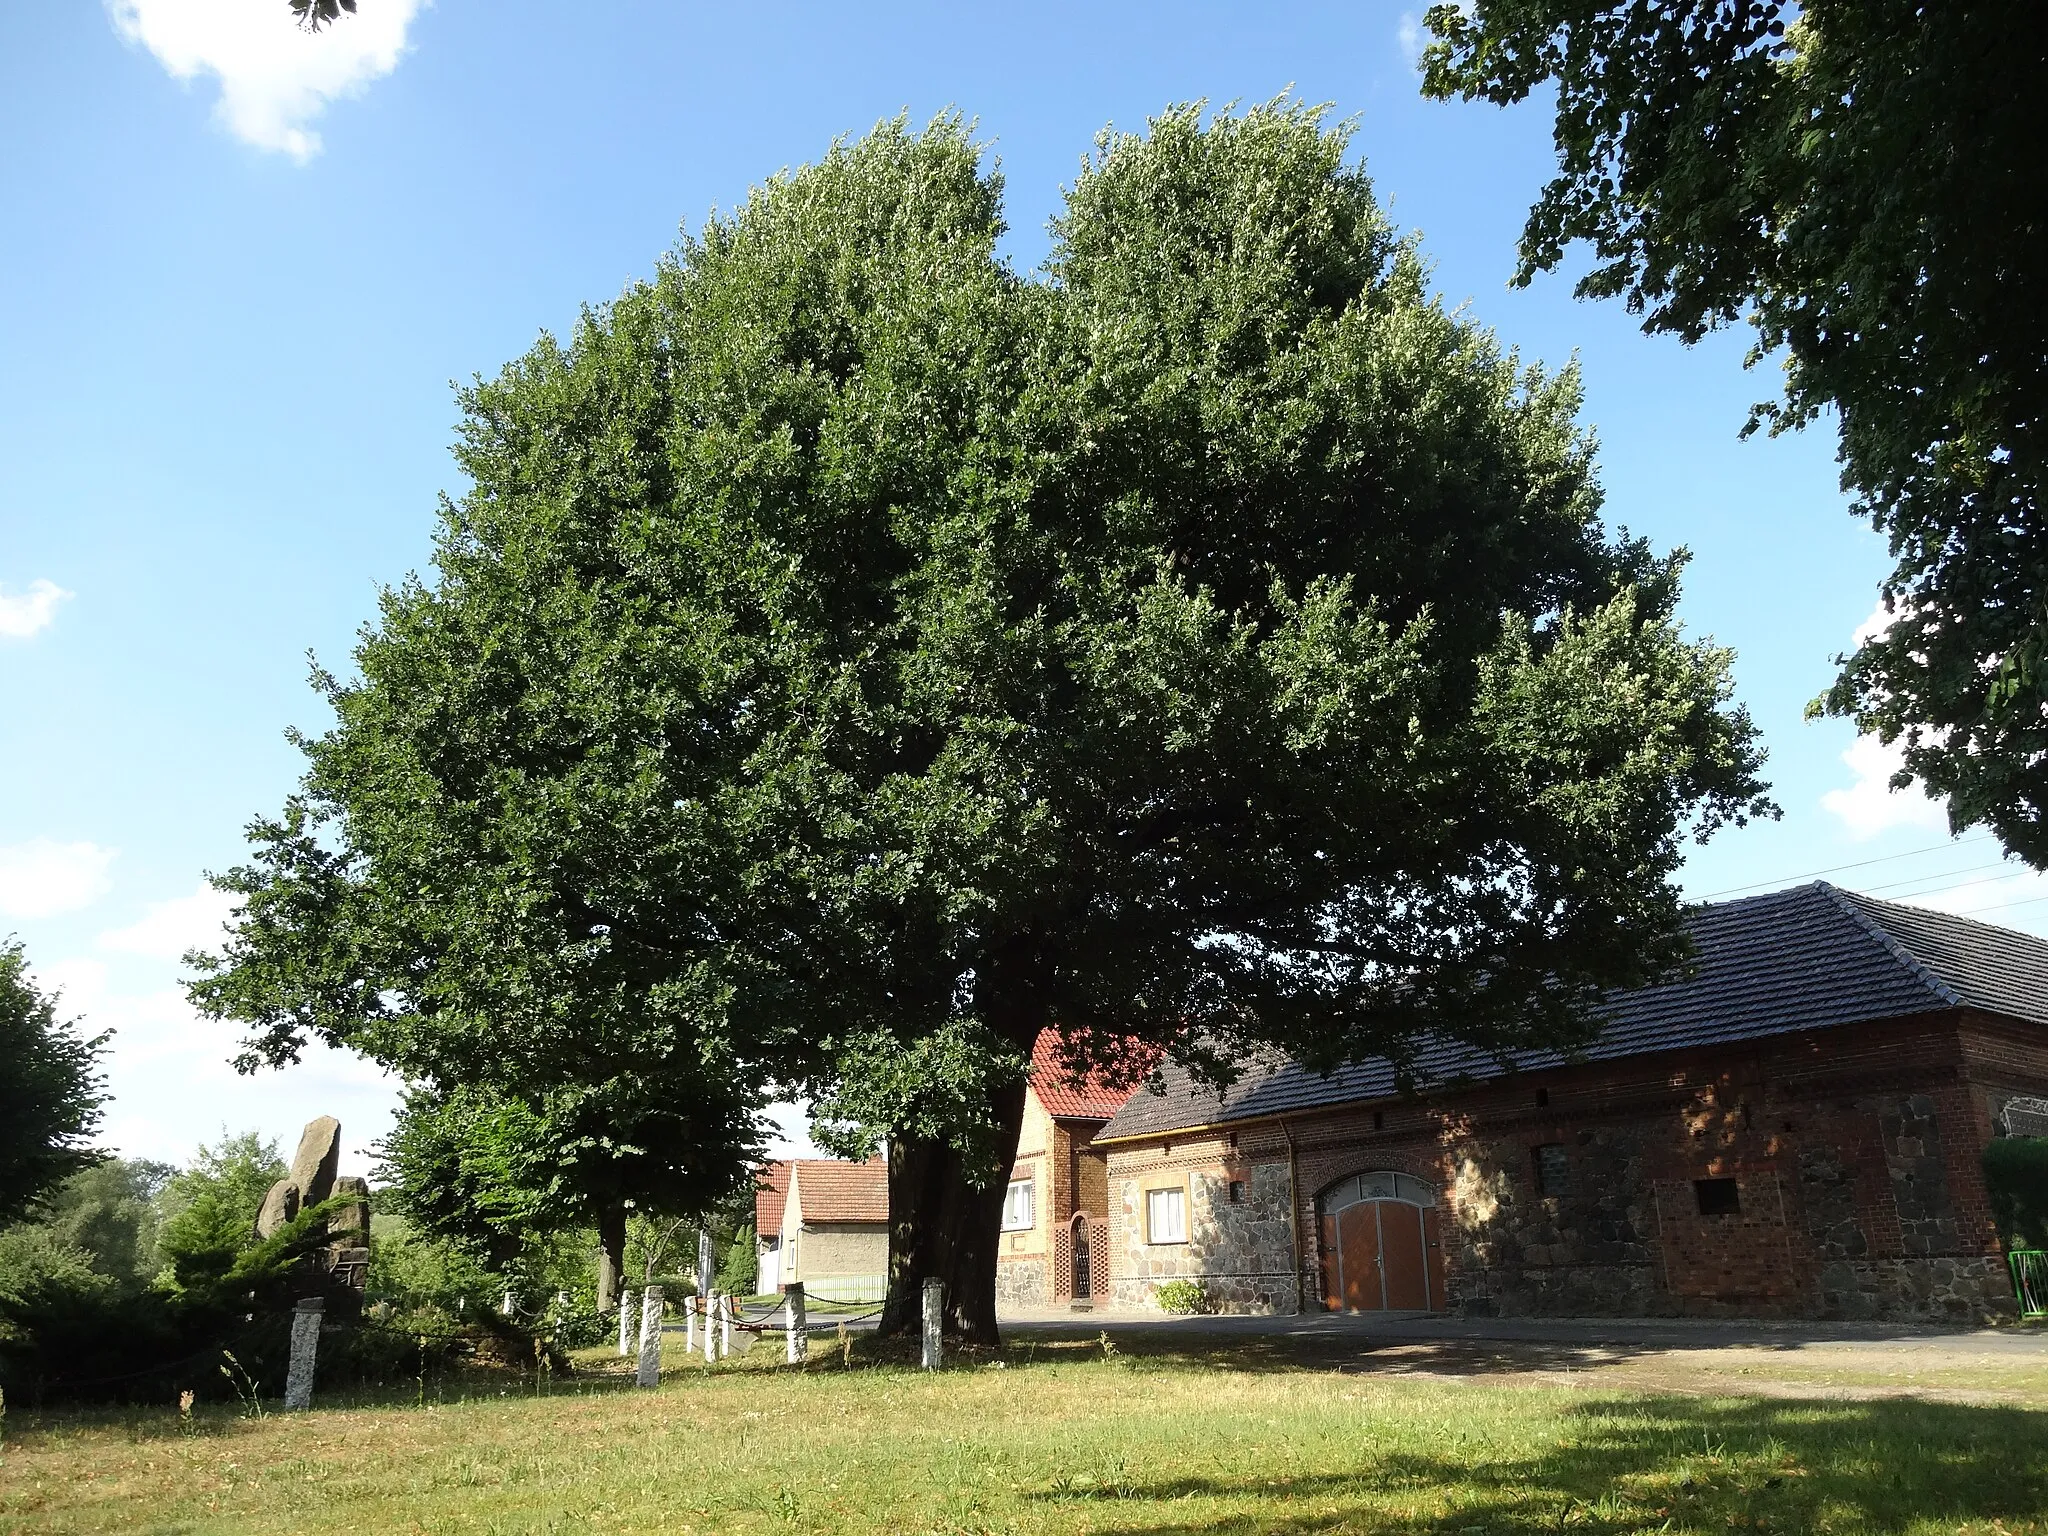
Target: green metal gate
{"x": 2030, "y": 1280}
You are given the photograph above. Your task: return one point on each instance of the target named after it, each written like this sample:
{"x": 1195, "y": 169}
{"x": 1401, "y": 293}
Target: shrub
{"x": 2016, "y": 1177}
{"x": 1182, "y": 1298}
{"x": 739, "y": 1270}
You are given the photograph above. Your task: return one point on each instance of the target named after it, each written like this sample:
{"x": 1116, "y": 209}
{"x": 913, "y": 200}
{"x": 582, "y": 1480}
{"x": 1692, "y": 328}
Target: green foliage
{"x": 1181, "y": 1298}
{"x": 207, "y": 1211}
{"x": 1861, "y": 180}
{"x": 51, "y": 1091}
{"x": 108, "y": 1212}
{"x": 739, "y": 1266}
{"x": 493, "y": 1171}
{"x": 2016, "y": 1177}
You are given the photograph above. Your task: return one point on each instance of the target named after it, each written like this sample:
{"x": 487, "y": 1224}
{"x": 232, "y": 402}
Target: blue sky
{"x": 245, "y": 266}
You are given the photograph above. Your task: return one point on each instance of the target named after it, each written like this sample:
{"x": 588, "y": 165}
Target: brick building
{"x": 1793, "y": 1129}
{"x": 1055, "y": 1243}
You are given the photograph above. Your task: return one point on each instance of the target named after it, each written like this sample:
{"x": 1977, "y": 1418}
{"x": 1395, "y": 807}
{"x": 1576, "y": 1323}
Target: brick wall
{"x": 1853, "y": 1154}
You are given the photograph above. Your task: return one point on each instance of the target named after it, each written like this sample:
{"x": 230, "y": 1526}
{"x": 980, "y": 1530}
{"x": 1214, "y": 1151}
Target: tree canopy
{"x": 1863, "y": 181}
{"x": 51, "y": 1091}
{"x": 851, "y": 657}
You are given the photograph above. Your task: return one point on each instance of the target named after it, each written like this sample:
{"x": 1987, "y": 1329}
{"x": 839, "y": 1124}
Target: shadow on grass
{"x": 1651, "y": 1464}
{"x": 1267, "y": 1354}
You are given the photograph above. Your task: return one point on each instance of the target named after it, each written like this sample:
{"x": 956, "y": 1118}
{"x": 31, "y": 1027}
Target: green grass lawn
{"x": 1187, "y": 1438}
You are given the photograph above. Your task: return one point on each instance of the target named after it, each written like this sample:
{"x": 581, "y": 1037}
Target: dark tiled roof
{"x": 1791, "y": 960}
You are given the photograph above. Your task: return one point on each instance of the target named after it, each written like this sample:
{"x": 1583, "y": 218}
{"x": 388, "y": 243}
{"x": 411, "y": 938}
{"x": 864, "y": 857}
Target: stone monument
{"x": 346, "y": 1258}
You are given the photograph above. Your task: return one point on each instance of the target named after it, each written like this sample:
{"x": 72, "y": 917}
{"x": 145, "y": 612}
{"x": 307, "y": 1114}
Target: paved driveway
{"x": 1685, "y": 1355}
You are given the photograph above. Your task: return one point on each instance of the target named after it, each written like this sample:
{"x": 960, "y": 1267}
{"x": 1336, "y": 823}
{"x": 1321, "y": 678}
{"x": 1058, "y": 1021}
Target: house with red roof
{"x": 833, "y": 1235}
{"x": 1055, "y": 1238}
{"x": 771, "y": 1194}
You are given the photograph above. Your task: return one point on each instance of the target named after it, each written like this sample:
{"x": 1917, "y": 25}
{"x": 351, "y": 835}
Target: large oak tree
{"x": 852, "y": 658}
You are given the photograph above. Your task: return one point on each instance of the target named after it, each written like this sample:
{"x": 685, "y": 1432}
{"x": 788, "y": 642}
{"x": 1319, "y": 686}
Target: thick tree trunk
{"x": 942, "y": 1226}
{"x": 611, "y": 1255}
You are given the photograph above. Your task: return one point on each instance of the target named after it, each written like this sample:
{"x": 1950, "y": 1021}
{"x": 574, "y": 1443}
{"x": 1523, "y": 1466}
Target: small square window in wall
{"x": 1237, "y": 1192}
{"x": 1166, "y": 1215}
{"x": 1717, "y": 1197}
{"x": 1019, "y": 1208}
{"x": 1553, "y": 1170}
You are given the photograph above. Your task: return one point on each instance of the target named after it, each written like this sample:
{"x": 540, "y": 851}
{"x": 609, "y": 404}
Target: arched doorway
{"x": 1084, "y": 1266}
{"x": 1380, "y": 1245}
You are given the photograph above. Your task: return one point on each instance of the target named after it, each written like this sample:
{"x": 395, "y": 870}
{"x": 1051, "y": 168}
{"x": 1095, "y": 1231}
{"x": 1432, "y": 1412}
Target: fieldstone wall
{"x": 1940, "y": 1289}
{"x": 1023, "y": 1282}
{"x": 1241, "y": 1251}
{"x": 1590, "y": 1248}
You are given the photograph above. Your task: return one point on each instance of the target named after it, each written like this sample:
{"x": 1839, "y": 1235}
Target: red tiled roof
{"x": 1065, "y": 1096}
{"x": 842, "y": 1192}
{"x": 771, "y": 1188}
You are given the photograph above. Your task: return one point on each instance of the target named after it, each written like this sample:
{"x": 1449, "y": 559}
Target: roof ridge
{"x": 1849, "y": 902}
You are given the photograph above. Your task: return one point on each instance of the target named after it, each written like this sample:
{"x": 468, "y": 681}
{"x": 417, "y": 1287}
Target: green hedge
{"x": 2016, "y": 1174}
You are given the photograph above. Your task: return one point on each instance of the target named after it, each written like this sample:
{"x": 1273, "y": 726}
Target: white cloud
{"x": 170, "y": 928}
{"x": 1870, "y": 805}
{"x": 275, "y": 77}
{"x": 31, "y": 611}
{"x": 1411, "y": 39}
{"x": 173, "y": 1087}
{"x": 41, "y": 878}
{"x": 1879, "y": 621}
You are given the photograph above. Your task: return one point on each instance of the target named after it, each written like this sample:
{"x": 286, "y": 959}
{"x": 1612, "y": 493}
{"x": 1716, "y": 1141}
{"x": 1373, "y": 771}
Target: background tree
{"x": 851, "y": 659}
{"x": 51, "y": 1091}
{"x": 1862, "y": 180}
{"x": 109, "y": 1212}
{"x": 491, "y": 1172}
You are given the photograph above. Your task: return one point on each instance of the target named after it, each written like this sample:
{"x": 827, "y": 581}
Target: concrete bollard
{"x": 793, "y": 1323}
{"x": 710, "y": 1331}
{"x": 934, "y": 1321}
{"x": 298, "y": 1381}
{"x": 650, "y": 1337}
{"x": 724, "y": 1327}
{"x": 690, "y": 1326}
{"x": 625, "y": 1324}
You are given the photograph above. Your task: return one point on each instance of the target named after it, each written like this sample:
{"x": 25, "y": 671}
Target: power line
{"x": 2000, "y": 906}
{"x": 1757, "y": 885}
{"x": 1967, "y": 870}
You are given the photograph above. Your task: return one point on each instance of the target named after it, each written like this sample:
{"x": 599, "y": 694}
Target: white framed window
{"x": 1166, "y": 1215}
{"x": 1020, "y": 1212}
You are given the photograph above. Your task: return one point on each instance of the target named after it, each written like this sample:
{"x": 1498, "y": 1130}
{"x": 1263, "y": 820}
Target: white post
{"x": 934, "y": 1320}
{"x": 690, "y": 1326}
{"x": 298, "y": 1381}
{"x": 793, "y": 1322}
{"x": 650, "y": 1337}
{"x": 710, "y": 1333}
{"x": 724, "y": 1326}
{"x": 625, "y": 1324}
{"x": 507, "y": 1308}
